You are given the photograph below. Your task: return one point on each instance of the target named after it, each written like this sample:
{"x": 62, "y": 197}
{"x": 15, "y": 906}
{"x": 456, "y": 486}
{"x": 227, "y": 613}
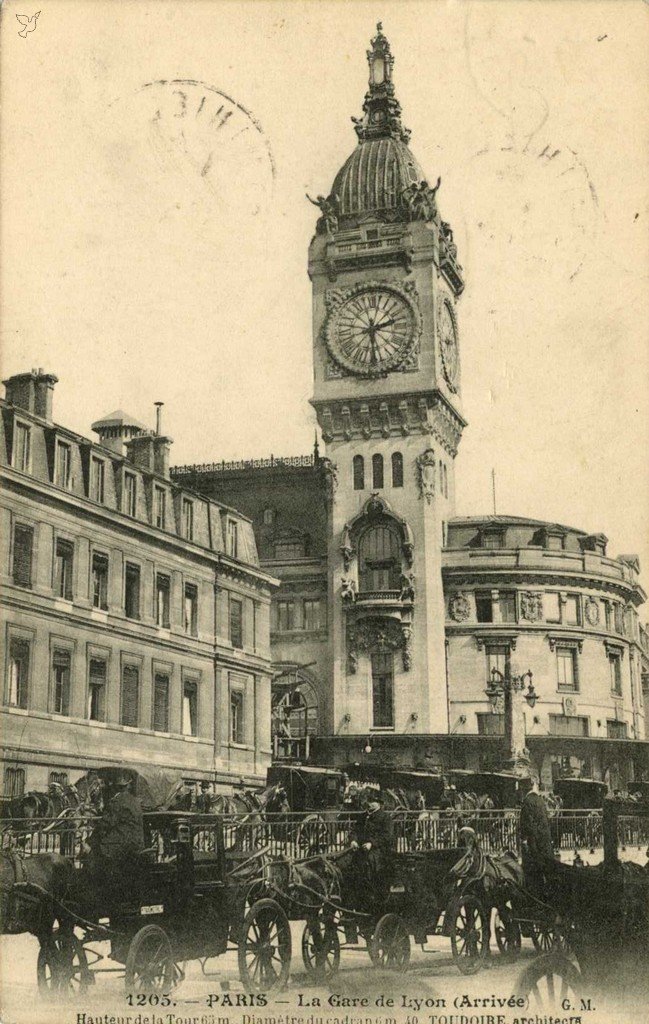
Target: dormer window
{"x": 129, "y": 505}
{"x": 62, "y": 464}
{"x": 97, "y": 479}
{"x": 233, "y": 539}
{"x": 22, "y": 447}
{"x": 493, "y": 538}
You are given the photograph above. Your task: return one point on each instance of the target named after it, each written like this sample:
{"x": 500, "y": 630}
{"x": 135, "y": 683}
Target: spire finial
{"x": 382, "y": 113}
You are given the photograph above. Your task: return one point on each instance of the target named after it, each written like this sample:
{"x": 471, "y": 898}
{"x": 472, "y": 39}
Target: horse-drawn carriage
{"x": 183, "y": 897}
{"x": 602, "y": 916}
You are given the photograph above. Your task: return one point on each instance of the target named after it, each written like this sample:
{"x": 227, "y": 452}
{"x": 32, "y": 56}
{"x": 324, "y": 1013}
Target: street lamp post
{"x": 512, "y": 689}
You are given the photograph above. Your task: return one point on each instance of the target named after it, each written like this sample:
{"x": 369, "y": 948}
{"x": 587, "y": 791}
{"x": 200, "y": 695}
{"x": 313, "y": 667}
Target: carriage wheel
{"x": 264, "y": 947}
{"x": 321, "y": 949}
{"x": 546, "y": 938}
{"x": 507, "y": 932}
{"x": 62, "y": 966}
{"x": 469, "y": 934}
{"x": 549, "y": 980}
{"x": 390, "y": 945}
{"x": 150, "y": 963}
{"x": 312, "y": 835}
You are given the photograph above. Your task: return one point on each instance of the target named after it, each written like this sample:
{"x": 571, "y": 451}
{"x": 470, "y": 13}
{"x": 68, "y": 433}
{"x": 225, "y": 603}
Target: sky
{"x": 153, "y": 250}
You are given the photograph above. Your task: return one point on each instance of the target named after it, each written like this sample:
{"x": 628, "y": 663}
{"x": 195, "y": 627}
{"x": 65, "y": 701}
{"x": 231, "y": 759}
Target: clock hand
{"x": 384, "y": 323}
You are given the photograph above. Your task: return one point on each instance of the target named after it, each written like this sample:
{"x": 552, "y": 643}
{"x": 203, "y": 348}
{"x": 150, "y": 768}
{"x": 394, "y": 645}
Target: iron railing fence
{"x": 297, "y": 835}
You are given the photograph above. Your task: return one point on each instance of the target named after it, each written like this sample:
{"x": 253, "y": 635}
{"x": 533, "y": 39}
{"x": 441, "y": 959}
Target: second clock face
{"x": 448, "y": 344}
{"x": 371, "y": 331}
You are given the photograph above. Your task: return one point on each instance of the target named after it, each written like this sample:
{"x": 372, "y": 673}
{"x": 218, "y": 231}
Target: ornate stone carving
{"x": 407, "y": 585}
{"x": 329, "y": 207}
{"x": 419, "y": 200}
{"x": 346, "y": 417}
{"x": 459, "y": 607}
{"x": 426, "y": 474}
{"x": 346, "y": 549}
{"x": 406, "y": 650}
{"x": 364, "y": 417}
{"x": 384, "y": 415}
{"x": 330, "y": 471}
{"x": 532, "y": 606}
{"x": 403, "y": 418}
{"x": 591, "y": 611}
{"x": 377, "y": 634}
{"x": 347, "y": 590}
{"x": 327, "y": 424}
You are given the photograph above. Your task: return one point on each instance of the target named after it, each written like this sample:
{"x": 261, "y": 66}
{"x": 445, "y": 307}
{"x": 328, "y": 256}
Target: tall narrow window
{"x": 97, "y": 479}
{"x": 161, "y": 702}
{"x": 162, "y": 594}
{"x": 18, "y": 672}
{"x": 191, "y": 609}
{"x": 233, "y": 539}
{"x": 236, "y": 623}
{"x": 130, "y": 710}
{"x": 382, "y": 690}
{"x": 377, "y": 472}
{"x": 129, "y": 501}
{"x": 397, "y": 469}
{"x": 311, "y": 615}
{"x": 63, "y": 568}
{"x": 22, "y": 447}
{"x": 285, "y": 616}
{"x": 566, "y": 670}
{"x": 61, "y": 682}
{"x": 190, "y": 708}
{"x": 159, "y": 507}
{"x": 97, "y": 690}
{"x": 22, "y": 559}
{"x": 14, "y": 783}
{"x": 359, "y": 472}
{"x": 484, "y": 606}
{"x": 236, "y": 717}
{"x": 379, "y": 559}
{"x": 188, "y": 519}
{"x": 498, "y": 657}
{"x": 63, "y": 461}
{"x": 615, "y": 672}
{"x": 99, "y": 580}
{"x": 132, "y": 591}
{"x": 507, "y": 605}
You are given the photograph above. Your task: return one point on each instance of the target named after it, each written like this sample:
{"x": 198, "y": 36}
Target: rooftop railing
{"x": 225, "y": 466}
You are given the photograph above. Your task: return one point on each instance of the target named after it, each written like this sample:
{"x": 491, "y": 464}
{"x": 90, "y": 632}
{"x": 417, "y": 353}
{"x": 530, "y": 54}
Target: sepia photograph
{"x": 324, "y": 437}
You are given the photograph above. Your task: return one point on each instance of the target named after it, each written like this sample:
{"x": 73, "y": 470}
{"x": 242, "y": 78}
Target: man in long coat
{"x": 373, "y": 837}
{"x": 536, "y": 836}
{"x": 119, "y": 833}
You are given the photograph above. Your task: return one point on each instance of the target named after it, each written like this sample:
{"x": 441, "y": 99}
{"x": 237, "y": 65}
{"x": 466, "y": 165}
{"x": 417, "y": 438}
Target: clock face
{"x": 372, "y": 330}
{"x": 448, "y": 344}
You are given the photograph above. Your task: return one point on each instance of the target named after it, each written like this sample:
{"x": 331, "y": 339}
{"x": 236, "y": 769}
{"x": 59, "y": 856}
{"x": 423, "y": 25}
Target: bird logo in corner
{"x": 28, "y": 24}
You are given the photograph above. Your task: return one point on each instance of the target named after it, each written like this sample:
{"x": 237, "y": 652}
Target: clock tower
{"x": 386, "y": 282}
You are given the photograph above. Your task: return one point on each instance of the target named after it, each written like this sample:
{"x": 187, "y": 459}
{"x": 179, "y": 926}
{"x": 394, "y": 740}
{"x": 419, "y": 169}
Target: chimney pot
{"x": 158, "y": 417}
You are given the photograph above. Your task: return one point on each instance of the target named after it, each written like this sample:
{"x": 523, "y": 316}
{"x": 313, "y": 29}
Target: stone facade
{"x": 135, "y": 616}
{"x": 420, "y": 604}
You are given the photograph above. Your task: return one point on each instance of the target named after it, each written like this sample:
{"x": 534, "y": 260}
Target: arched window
{"x": 379, "y": 559}
{"x": 359, "y": 472}
{"x": 397, "y": 469}
{"x": 377, "y": 472}
{"x": 14, "y": 782}
{"x": 441, "y": 477}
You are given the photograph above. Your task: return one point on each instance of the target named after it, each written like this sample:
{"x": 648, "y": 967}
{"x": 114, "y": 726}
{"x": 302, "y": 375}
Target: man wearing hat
{"x": 204, "y": 799}
{"x": 373, "y": 837}
{"x": 119, "y": 834}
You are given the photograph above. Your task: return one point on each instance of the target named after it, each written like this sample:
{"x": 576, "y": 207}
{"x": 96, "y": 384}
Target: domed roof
{"x": 375, "y": 176}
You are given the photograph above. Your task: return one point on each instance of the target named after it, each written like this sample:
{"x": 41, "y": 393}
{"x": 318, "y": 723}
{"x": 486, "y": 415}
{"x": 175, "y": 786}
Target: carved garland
{"x": 376, "y": 634}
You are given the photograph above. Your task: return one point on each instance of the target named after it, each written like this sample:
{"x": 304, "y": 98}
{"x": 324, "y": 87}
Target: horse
{"x": 30, "y": 888}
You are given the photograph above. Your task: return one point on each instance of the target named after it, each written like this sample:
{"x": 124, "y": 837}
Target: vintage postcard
{"x": 325, "y": 531}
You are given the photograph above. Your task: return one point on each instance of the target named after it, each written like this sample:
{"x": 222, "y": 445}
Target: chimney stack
{"x": 158, "y": 417}
{"x": 117, "y": 429}
{"x": 32, "y": 391}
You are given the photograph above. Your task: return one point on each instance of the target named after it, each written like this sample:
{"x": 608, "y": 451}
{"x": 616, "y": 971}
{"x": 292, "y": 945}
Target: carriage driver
{"x": 536, "y": 836}
{"x": 373, "y": 837}
{"x": 119, "y": 833}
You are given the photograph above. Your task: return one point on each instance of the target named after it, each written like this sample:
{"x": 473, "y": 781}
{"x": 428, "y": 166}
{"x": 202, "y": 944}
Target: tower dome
{"x": 375, "y": 176}
{"x": 381, "y": 178}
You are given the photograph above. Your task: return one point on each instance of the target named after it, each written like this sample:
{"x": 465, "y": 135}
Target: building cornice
{"x": 465, "y": 576}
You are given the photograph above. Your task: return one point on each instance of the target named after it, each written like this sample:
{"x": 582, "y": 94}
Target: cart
{"x": 183, "y": 899}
